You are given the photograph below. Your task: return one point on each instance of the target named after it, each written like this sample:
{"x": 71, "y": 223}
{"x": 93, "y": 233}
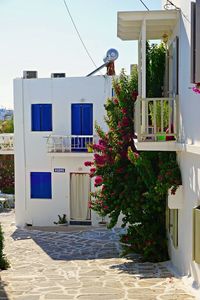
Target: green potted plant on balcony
{"x": 160, "y": 135}
{"x": 89, "y": 148}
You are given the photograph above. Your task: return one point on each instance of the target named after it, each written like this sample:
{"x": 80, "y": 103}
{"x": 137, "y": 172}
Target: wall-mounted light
{"x": 165, "y": 38}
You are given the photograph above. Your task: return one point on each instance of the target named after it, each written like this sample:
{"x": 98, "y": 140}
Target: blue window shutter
{"x": 87, "y": 119}
{"x": 46, "y": 117}
{"x": 41, "y": 185}
{"x": 76, "y": 119}
{"x": 35, "y": 117}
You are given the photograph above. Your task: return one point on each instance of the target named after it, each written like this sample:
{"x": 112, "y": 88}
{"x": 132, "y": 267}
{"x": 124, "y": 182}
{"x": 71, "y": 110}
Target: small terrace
{"x": 6, "y": 143}
{"x": 156, "y": 121}
{"x": 62, "y": 145}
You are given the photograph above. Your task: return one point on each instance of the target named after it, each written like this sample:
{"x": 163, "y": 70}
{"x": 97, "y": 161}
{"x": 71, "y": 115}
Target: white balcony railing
{"x": 70, "y": 143}
{"x": 156, "y": 119}
{"x": 6, "y": 142}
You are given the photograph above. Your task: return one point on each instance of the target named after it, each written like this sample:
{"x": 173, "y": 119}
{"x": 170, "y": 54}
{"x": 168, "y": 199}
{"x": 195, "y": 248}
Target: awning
{"x": 158, "y": 23}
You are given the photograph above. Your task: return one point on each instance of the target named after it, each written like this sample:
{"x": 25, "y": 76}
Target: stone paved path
{"x": 82, "y": 265}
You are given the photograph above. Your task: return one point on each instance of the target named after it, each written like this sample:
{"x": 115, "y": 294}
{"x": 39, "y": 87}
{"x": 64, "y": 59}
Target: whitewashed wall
{"x": 189, "y": 158}
{"x": 30, "y": 147}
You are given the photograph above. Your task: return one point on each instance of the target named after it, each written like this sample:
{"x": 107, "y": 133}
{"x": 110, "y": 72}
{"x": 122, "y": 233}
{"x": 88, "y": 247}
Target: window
{"x": 82, "y": 119}
{"x": 195, "y": 41}
{"x": 41, "y": 185}
{"x": 81, "y": 125}
{"x": 41, "y": 116}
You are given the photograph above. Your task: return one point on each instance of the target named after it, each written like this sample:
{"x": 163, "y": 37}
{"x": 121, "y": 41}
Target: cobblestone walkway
{"x": 82, "y": 265}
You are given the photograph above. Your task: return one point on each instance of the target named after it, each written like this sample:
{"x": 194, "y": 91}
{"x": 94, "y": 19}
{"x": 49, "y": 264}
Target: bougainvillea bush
{"x": 7, "y": 162}
{"x": 7, "y": 174}
{"x": 132, "y": 183}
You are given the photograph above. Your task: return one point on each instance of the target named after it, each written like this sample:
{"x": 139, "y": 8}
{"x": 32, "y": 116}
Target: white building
{"x": 54, "y": 122}
{"x": 6, "y": 114}
{"x": 179, "y": 25}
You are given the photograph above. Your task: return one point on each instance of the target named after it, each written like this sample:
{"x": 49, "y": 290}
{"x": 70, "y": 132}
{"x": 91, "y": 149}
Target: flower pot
{"x": 102, "y": 223}
{"x": 161, "y": 137}
{"x": 63, "y": 224}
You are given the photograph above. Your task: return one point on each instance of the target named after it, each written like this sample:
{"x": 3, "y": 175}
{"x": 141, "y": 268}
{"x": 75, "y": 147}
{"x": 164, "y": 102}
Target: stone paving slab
{"x": 82, "y": 265}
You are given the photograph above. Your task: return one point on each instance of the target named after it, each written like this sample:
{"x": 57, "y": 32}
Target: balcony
{"x": 60, "y": 145}
{"x": 156, "y": 123}
{"x": 6, "y": 143}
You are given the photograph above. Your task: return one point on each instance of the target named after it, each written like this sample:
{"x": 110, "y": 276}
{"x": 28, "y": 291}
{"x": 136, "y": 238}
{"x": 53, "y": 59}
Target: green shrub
{"x": 131, "y": 182}
{"x": 3, "y": 261}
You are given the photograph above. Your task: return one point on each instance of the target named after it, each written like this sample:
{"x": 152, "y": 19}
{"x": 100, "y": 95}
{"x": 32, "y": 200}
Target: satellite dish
{"x": 111, "y": 55}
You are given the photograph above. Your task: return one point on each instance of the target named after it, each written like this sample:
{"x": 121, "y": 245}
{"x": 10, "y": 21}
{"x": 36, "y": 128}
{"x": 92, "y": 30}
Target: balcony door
{"x": 81, "y": 125}
{"x": 79, "y": 197}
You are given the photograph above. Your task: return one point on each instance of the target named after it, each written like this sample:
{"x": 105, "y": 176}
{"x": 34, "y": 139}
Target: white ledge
{"x": 167, "y": 146}
{"x": 157, "y": 146}
{"x": 6, "y": 152}
{"x": 71, "y": 154}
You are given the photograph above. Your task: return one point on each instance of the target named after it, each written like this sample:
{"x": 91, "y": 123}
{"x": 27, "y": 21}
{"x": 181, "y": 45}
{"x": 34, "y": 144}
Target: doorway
{"x": 80, "y": 188}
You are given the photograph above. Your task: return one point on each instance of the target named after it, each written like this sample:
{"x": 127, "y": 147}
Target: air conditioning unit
{"x": 57, "y": 75}
{"x": 29, "y": 74}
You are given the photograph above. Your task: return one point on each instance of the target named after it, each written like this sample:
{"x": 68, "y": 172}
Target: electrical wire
{"x": 78, "y": 33}
{"x": 170, "y": 3}
{"x": 144, "y": 5}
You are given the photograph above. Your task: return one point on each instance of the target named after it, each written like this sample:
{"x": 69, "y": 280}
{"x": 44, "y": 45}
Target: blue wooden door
{"x": 81, "y": 124}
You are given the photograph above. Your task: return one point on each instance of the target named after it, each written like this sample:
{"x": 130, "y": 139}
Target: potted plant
{"x": 102, "y": 222}
{"x": 62, "y": 220}
{"x": 160, "y": 136}
{"x": 89, "y": 148}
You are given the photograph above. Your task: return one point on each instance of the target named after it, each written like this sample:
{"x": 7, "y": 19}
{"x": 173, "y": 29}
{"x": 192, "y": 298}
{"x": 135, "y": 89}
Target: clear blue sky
{"x": 38, "y": 35}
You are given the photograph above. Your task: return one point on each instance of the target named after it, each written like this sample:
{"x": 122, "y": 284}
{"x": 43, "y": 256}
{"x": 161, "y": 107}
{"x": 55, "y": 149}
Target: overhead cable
{"x": 170, "y": 3}
{"x": 78, "y": 33}
{"x": 144, "y": 4}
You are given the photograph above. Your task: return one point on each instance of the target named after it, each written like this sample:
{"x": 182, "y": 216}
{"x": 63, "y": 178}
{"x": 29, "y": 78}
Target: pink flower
{"x": 88, "y": 163}
{"x": 102, "y": 142}
{"x": 98, "y": 180}
{"x": 125, "y": 121}
{"x": 119, "y": 170}
{"x": 116, "y": 101}
{"x": 105, "y": 207}
{"x": 124, "y": 111}
{"x": 103, "y": 188}
{"x": 99, "y": 159}
{"x": 99, "y": 147}
{"x": 93, "y": 170}
{"x": 136, "y": 155}
{"x": 134, "y": 94}
{"x": 173, "y": 191}
{"x": 196, "y": 88}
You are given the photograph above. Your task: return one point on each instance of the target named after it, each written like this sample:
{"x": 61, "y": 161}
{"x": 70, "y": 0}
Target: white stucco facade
{"x": 189, "y": 157}
{"x": 175, "y": 22}
{"x": 30, "y": 146}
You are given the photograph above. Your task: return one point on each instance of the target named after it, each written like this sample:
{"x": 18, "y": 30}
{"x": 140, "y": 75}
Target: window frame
{"x": 195, "y": 42}
{"x": 38, "y": 115}
{"x": 34, "y": 185}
